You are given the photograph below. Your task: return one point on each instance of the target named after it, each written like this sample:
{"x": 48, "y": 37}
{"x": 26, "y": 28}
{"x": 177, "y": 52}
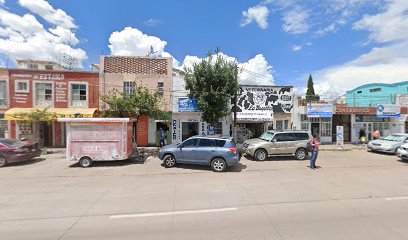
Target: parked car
{"x": 389, "y": 144}
{"x": 402, "y": 152}
{"x": 216, "y": 151}
{"x": 13, "y": 150}
{"x": 278, "y": 143}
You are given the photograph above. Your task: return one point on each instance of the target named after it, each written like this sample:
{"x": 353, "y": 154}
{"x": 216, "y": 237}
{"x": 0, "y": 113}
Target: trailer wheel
{"x": 85, "y": 162}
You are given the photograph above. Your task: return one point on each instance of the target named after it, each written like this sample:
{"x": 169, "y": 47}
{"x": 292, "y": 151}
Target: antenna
{"x": 68, "y": 61}
{"x": 151, "y": 52}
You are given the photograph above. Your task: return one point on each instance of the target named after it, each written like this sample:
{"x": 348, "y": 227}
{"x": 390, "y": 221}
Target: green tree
{"x": 141, "y": 102}
{"x": 310, "y": 93}
{"x": 213, "y": 82}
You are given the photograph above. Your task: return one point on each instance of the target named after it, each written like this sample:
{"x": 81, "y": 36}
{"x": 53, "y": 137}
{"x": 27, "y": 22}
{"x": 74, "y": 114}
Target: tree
{"x": 213, "y": 82}
{"x": 310, "y": 93}
{"x": 141, "y": 102}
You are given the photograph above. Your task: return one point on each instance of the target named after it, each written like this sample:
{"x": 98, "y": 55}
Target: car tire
{"x": 169, "y": 161}
{"x": 396, "y": 150}
{"x": 301, "y": 154}
{"x": 85, "y": 162}
{"x": 3, "y": 161}
{"x": 261, "y": 155}
{"x": 218, "y": 165}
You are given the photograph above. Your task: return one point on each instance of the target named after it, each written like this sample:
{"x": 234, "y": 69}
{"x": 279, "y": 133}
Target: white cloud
{"x": 151, "y": 22}
{"x": 258, "y": 14}
{"x": 24, "y": 37}
{"x": 2, "y": 2}
{"x": 296, "y": 48}
{"x": 328, "y": 29}
{"x": 255, "y": 71}
{"x": 50, "y": 14}
{"x": 132, "y": 42}
{"x": 295, "y": 21}
{"x": 384, "y": 64}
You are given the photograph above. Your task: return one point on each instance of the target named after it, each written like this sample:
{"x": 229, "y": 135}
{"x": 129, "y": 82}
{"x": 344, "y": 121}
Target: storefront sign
{"x": 319, "y": 110}
{"x": 355, "y": 110}
{"x": 61, "y": 90}
{"x": 174, "y": 129}
{"x": 49, "y": 76}
{"x": 388, "y": 111}
{"x": 188, "y": 105}
{"x": 339, "y": 135}
{"x": 203, "y": 128}
{"x": 256, "y": 116}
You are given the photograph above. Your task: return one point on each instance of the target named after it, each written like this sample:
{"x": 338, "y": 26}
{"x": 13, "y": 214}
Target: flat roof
{"x": 43, "y": 70}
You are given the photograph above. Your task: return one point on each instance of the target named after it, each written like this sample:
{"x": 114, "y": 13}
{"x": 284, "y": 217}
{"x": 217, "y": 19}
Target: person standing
{"x": 162, "y": 136}
{"x": 314, "y": 143}
{"x": 361, "y": 135}
{"x": 376, "y": 134}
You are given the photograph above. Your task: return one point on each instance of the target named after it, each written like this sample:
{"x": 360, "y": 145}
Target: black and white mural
{"x": 255, "y": 102}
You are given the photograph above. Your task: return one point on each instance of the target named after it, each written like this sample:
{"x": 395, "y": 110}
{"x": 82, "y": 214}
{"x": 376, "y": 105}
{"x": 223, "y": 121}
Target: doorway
{"x": 189, "y": 129}
{"x": 46, "y": 133}
{"x": 315, "y": 127}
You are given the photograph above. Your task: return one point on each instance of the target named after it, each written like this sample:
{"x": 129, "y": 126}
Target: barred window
{"x": 129, "y": 87}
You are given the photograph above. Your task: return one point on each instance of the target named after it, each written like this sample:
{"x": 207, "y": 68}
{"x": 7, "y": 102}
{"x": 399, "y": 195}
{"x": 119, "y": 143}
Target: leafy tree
{"x": 213, "y": 82}
{"x": 141, "y": 102}
{"x": 310, "y": 93}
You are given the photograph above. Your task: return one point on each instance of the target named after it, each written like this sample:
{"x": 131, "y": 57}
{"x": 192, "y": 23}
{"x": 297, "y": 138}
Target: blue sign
{"x": 188, "y": 105}
{"x": 319, "y": 110}
{"x": 388, "y": 111}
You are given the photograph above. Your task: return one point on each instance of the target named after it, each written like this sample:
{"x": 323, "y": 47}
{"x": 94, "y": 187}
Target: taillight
{"x": 233, "y": 150}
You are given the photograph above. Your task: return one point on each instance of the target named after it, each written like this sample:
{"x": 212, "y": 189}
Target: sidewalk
{"x": 346, "y": 147}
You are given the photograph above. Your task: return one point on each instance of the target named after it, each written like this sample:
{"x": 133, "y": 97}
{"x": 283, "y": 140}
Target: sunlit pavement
{"x": 353, "y": 195}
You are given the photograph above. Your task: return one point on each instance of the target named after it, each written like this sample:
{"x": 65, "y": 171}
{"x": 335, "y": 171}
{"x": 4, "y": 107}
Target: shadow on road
{"x": 277, "y": 158}
{"x": 24, "y": 163}
{"x": 236, "y": 168}
{"x": 117, "y": 163}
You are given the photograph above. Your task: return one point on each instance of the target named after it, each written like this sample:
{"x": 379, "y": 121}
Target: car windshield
{"x": 395, "y": 138}
{"x": 267, "y": 136}
{"x": 11, "y": 142}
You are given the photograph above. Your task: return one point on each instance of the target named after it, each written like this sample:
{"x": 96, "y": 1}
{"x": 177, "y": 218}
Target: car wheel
{"x": 301, "y": 154}
{"x": 169, "y": 161}
{"x": 85, "y": 162}
{"x": 261, "y": 155}
{"x": 218, "y": 165}
{"x": 396, "y": 150}
{"x": 3, "y": 161}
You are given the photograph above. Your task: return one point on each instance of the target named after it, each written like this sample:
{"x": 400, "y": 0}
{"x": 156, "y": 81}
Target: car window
{"x": 11, "y": 142}
{"x": 280, "y": 137}
{"x": 304, "y": 136}
{"x": 220, "y": 143}
{"x": 206, "y": 142}
{"x": 292, "y": 137}
{"x": 190, "y": 143}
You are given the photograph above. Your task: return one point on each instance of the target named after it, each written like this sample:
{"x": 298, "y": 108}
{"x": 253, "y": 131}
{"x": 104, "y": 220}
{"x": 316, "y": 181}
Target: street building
{"x": 4, "y": 101}
{"x": 261, "y": 108}
{"x": 187, "y": 118}
{"x": 124, "y": 73}
{"x": 64, "y": 93}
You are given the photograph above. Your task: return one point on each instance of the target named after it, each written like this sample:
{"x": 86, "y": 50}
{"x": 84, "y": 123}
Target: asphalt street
{"x": 353, "y": 195}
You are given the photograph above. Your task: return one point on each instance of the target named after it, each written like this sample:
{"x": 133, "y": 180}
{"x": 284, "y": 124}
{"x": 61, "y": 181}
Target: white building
{"x": 39, "y": 65}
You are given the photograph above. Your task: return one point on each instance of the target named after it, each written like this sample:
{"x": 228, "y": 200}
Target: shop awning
{"x": 14, "y": 113}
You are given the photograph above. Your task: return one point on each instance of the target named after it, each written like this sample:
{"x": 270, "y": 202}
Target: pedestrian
{"x": 376, "y": 134}
{"x": 362, "y": 136}
{"x": 314, "y": 143}
{"x": 162, "y": 137}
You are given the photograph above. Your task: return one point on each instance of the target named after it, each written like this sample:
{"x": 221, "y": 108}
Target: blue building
{"x": 374, "y": 94}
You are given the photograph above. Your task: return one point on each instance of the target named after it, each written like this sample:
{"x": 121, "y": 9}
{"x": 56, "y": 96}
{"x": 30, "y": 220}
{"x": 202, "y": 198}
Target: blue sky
{"x": 342, "y": 43}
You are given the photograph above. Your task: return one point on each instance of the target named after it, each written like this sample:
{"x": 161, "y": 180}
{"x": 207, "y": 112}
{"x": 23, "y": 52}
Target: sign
{"x": 211, "y": 130}
{"x": 188, "y": 105}
{"x": 256, "y": 116}
{"x": 174, "y": 129}
{"x": 355, "y": 110}
{"x": 49, "y": 76}
{"x": 388, "y": 111}
{"x": 319, "y": 110}
{"x": 339, "y": 136}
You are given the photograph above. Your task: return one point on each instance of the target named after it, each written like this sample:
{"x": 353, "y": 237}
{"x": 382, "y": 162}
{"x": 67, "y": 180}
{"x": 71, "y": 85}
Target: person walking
{"x": 314, "y": 143}
{"x": 163, "y": 134}
{"x": 362, "y": 136}
{"x": 376, "y": 134}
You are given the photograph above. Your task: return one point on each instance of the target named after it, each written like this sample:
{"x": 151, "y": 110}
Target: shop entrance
{"x": 345, "y": 121}
{"x": 46, "y": 133}
{"x": 189, "y": 129}
{"x": 315, "y": 127}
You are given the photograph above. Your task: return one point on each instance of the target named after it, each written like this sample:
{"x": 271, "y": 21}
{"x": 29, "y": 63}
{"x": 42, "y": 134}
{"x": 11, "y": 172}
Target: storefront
{"x": 261, "y": 108}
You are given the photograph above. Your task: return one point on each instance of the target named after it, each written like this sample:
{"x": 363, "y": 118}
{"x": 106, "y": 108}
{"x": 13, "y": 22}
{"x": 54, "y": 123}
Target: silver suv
{"x": 278, "y": 143}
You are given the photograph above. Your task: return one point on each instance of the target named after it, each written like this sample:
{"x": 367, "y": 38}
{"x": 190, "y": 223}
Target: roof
{"x": 378, "y": 84}
{"x": 212, "y": 136}
{"x": 44, "y": 70}
{"x": 95, "y": 120}
{"x": 265, "y": 86}
{"x": 12, "y": 114}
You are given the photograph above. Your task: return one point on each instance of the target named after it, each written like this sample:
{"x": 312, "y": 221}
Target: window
{"x": 292, "y": 137}
{"x": 78, "y": 95}
{"x": 279, "y": 125}
{"x": 280, "y": 137}
{"x": 32, "y": 66}
{"x": 375, "y": 90}
{"x": 215, "y": 128}
{"x": 43, "y": 94}
{"x": 303, "y": 136}
{"x": 49, "y": 67}
{"x": 286, "y": 124}
{"x": 220, "y": 143}
{"x": 206, "y": 143}
{"x": 189, "y": 143}
{"x": 129, "y": 87}
{"x": 359, "y": 92}
{"x": 3, "y": 93}
{"x": 21, "y": 86}
{"x": 160, "y": 88}
{"x": 325, "y": 129}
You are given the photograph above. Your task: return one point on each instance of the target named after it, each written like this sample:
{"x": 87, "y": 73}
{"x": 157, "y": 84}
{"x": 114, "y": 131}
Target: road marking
{"x": 172, "y": 213}
{"x": 396, "y": 198}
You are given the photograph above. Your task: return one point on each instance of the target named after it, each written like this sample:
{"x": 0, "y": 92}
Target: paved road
{"x": 354, "y": 195}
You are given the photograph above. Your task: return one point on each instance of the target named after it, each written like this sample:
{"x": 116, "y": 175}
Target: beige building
{"x": 124, "y": 73}
{"x": 39, "y": 65}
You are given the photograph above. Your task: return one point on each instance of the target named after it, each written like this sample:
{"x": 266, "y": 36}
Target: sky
{"x": 342, "y": 43}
